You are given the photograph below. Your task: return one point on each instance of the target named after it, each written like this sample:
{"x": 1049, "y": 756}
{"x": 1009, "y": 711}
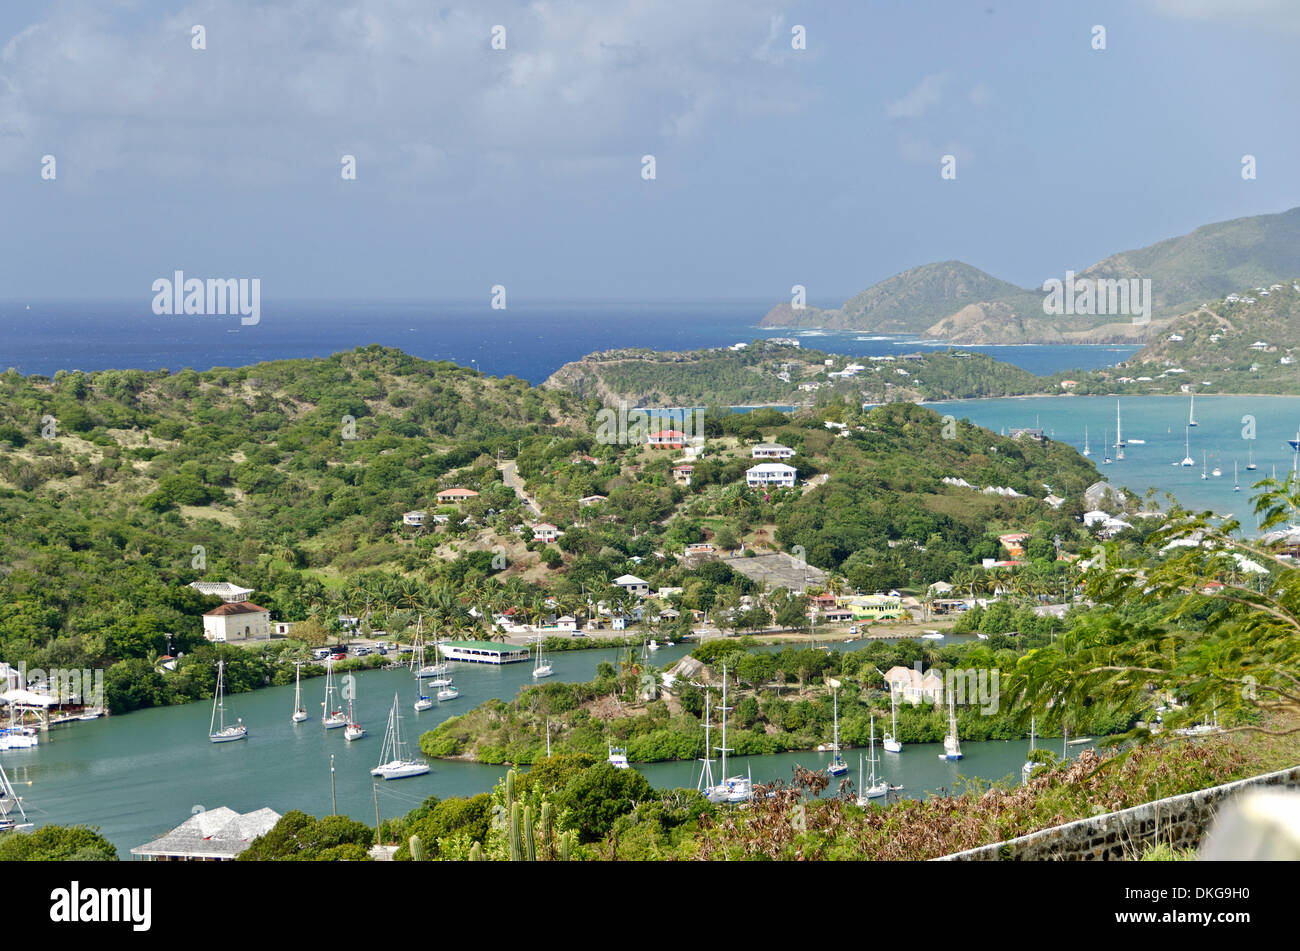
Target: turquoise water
{"x": 139, "y": 775}
{"x": 1161, "y": 422}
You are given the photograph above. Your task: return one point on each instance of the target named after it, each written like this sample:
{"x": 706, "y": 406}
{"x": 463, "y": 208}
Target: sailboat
{"x": 951, "y": 746}
{"x": 10, "y": 800}
{"x": 421, "y": 701}
{"x": 393, "y": 762}
{"x": 1216, "y": 472}
{"x": 540, "y": 669}
{"x": 354, "y": 730}
{"x": 447, "y": 691}
{"x": 1086, "y": 450}
{"x": 873, "y": 789}
{"x": 1027, "y": 770}
{"x": 331, "y": 716}
{"x": 218, "y": 732}
{"x": 706, "y": 784}
{"x": 299, "y": 712}
{"x": 731, "y": 789}
{"x": 892, "y": 744}
{"x": 1191, "y": 412}
{"x": 838, "y": 767}
{"x": 1204, "y": 474}
{"x": 1119, "y": 438}
{"x": 1105, "y": 447}
{"x": 1236, "y": 484}
{"x": 1187, "y": 448}
{"x": 1250, "y": 459}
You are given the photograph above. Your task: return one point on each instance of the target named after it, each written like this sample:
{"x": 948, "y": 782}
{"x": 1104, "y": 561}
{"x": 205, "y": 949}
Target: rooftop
{"x": 218, "y": 833}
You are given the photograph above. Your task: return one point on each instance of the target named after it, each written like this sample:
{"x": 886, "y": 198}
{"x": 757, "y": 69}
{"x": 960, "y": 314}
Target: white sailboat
{"x": 447, "y": 691}
{"x": 218, "y": 732}
{"x": 1250, "y": 459}
{"x": 732, "y": 789}
{"x": 1086, "y": 450}
{"x": 1187, "y": 448}
{"x": 9, "y": 801}
{"x": 951, "y": 745}
{"x": 1027, "y": 770}
{"x": 892, "y": 743}
{"x": 354, "y": 730}
{"x": 393, "y": 762}
{"x": 838, "y": 767}
{"x": 299, "y": 712}
{"x": 1204, "y": 462}
{"x": 618, "y": 757}
{"x": 873, "y": 789}
{"x": 421, "y": 701}
{"x": 541, "y": 669}
{"x": 1236, "y": 482}
{"x": 1191, "y": 411}
{"x": 1105, "y": 447}
{"x": 332, "y": 717}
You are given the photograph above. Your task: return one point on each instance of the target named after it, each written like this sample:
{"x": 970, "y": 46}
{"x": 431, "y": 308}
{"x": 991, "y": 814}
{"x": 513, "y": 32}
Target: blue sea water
{"x": 530, "y": 341}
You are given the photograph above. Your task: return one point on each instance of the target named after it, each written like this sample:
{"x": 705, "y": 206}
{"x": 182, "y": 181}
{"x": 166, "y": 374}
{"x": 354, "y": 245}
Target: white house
{"x": 771, "y": 450}
{"x": 545, "y": 532}
{"x": 413, "y": 519}
{"x": 908, "y": 683}
{"x": 237, "y": 621}
{"x": 1095, "y": 517}
{"x": 771, "y": 473}
{"x": 633, "y": 585}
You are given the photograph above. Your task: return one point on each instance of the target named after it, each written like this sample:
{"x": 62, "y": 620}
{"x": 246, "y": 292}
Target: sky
{"x": 523, "y": 166}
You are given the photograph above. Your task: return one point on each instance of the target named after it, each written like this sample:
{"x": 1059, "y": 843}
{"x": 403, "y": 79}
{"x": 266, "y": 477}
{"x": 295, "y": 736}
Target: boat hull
{"x": 400, "y": 770}
{"x": 228, "y": 736}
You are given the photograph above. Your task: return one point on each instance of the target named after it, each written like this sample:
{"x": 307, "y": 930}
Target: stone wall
{"x": 1178, "y": 820}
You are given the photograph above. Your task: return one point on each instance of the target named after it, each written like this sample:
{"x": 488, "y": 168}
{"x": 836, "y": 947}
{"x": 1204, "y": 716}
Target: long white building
{"x": 771, "y": 473}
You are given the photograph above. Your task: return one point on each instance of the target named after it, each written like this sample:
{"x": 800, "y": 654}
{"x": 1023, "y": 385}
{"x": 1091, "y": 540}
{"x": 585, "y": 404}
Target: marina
{"x": 137, "y": 776}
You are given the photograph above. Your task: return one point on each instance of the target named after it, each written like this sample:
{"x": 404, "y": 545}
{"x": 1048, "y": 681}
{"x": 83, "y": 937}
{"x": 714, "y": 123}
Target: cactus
{"x": 516, "y": 842}
{"x": 476, "y": 853}
{"x": 548, "y": 844}
{"x": 417, "y": 849}
{"x": 510, "y": 788}
{"x": 565, "y": 841}
{"x": 530, "y": 844}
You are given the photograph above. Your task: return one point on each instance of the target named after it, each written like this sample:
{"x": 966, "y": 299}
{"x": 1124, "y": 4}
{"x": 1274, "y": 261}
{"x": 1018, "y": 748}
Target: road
{"x": 510, "y": 476}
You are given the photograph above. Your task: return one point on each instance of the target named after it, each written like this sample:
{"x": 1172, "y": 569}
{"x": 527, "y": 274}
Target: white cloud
{"x": 413, "y": 89}
{"x": 980, "y": 95}
{"x": 920, "y": 99}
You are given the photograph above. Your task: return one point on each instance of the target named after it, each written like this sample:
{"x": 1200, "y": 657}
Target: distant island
{"x": 961, "y": 304}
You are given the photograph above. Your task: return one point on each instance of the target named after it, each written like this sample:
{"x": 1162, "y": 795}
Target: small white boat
{"x": 892, "y": 744}
{"x": 448, "y": 693}
{"x": 299, "y": 712}
{"x": 983, "y": 637}
{"x": 654, "y": 646}
{"x": 541, "y": 669}
{"x": 1028, "y": 768}
{"x": 1187, "y": 449}
{"x": 332, "y": 716}
{"x": 618, "y": 758}
{"x": 218, "y": 732}
{"x": 932, "y": 636}
{"x": 873, "y": 789}
{"x": 422, "y": 702}
{"x": 354, "y": 730}
{"x": 393, "y": 762}
{"x": 838, "y": 767}
{"x": 951, "y": 745}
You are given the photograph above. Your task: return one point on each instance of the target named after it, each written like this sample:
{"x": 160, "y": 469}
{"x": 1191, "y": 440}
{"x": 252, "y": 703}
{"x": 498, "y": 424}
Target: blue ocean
{"x": 530, "y": 341}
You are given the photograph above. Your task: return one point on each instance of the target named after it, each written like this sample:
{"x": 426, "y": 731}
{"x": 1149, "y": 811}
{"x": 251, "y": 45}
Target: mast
{"x": 723, "y": 748}
{"x": 893, "y": 713}
{"x": 706, "y": 771}
{"x": 836, "y": 740}
{"x": 1119, "y": 438}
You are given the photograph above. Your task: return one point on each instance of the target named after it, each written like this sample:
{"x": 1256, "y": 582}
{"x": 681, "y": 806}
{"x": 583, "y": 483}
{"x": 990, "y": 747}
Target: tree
{"x": 298, "y": 836}
{"x": 57, "y": 844}
{"x": 598, "y": 796}
{"x": 1213, "y": 622}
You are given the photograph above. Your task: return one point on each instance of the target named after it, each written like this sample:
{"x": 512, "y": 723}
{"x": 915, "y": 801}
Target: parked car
{"x": 361, "y": 651}
{"x": 320, "y": 653}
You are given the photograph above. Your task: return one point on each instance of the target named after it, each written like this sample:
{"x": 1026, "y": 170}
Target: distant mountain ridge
{"x": 953, "y": 301}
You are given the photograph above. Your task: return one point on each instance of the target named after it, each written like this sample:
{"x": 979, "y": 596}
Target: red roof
{"x": 668, "y": 434}
{"x": 460, "y": 493}
{"x": 235, "y": 607}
